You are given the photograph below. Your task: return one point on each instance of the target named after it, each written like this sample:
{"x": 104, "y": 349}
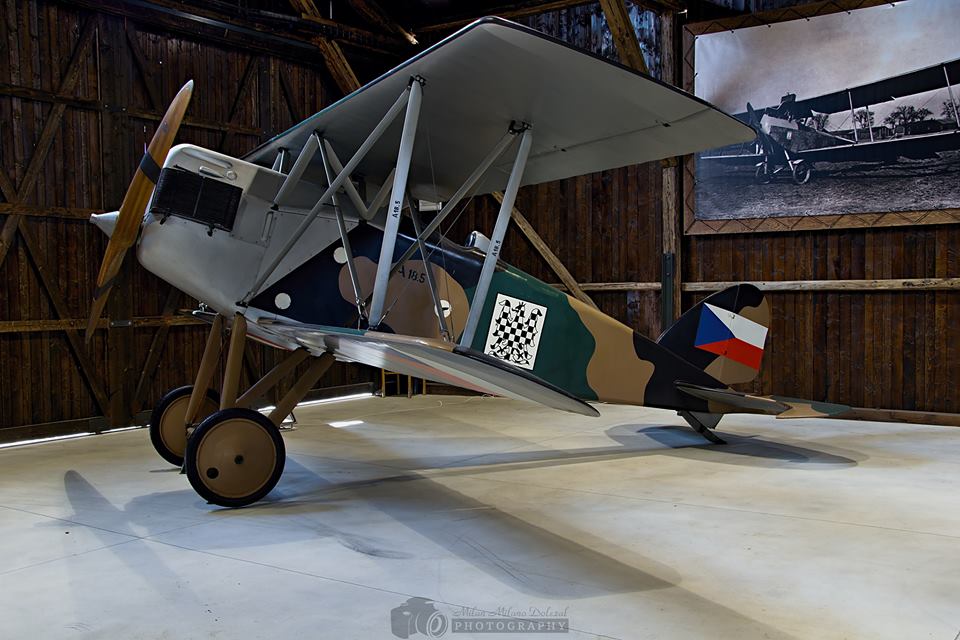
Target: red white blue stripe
{"x": 731, "y": 335}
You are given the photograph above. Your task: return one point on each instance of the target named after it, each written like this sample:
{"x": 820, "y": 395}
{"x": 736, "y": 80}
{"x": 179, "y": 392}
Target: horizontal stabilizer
{"x": 730, "y": 401}
{"x": 433, "y": 360}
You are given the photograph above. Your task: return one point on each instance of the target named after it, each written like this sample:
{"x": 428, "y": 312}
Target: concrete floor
{"x": 628, "y": 523}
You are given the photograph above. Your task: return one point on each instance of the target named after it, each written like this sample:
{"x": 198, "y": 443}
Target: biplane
{"x": 314, "y": 243}
{"x": 789, "y": 143}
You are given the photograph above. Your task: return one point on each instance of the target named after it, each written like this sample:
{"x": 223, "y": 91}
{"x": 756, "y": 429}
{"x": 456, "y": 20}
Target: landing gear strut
{"x": 235, "y": 455}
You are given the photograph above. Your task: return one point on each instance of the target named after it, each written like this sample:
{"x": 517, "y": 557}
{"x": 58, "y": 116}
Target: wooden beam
{"x": 245, "y": 83}
{"x": 146, "y": 73}
{"x": 119, "y": 110}
{"x": 69, "y": 213}
{"x": 269, "y": 33}
{"x": 905, "y": 284}
{"x": 333, "y": 30}
{"x": 54, "y": 118}
{"x": 47, "y": 279}
{"x": 512, "y": 12}
{"x": 16, "y": 194}
{"x": 671, "y": 211}
{"x": 332, "y": 54}
{"x": 373, "y": 13}
{"x": 7, "y": 234}
{"x": 624, "y": 35}
{"x": 613, "y": 286}
{"x": 156, "y": 350}
{"x": 288, "y": 96}
{"x": 6, "y": 187}
{"x": 30, "y": 93}
{"x": 551, "y": 258}
{"x": 337, "y": 63}
{"x": 896, "y": 415}
{"x": 64, "y": 324}
{"x": 901, "y": 284}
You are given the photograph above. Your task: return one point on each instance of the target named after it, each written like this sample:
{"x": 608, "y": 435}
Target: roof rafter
{"x": 624, "y": 35}
{"x": 373, "y": 13}
{"x": 332, "y": 54}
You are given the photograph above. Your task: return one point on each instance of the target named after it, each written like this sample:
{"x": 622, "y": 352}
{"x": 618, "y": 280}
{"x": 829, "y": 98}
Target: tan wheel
{"x": 235, "y": 457}
{"x": 168, "y": 433}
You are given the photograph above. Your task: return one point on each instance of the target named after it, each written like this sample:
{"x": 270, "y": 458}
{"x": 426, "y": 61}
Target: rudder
{"x": 723, "y": 334}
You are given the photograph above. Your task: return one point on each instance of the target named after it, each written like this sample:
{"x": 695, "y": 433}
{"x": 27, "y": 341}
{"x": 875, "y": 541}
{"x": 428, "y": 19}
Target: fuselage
{"x": 217, "y": 256}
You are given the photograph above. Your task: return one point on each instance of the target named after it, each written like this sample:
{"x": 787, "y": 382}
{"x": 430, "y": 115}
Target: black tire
{"x": 171, "y": 451}
{"x": 801, "y": 172}
{"x": 762, "y": 175}
{"x": 226, "y": 449}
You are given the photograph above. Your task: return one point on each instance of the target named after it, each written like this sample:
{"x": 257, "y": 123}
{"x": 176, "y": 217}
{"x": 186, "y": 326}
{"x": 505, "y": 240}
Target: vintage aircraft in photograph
{"x": 314, "y": 243}
{"x": 791, "y": 137}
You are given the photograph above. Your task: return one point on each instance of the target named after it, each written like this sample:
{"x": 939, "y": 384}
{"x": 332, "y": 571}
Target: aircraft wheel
{"x": 235, "y": 457}
{"x": 762, "y": 175}
{"x": 168, "y": 434}
{"x": 801, "y": 172}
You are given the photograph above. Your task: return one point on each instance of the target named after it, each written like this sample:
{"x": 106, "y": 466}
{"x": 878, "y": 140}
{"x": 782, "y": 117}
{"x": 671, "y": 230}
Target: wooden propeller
{"x": 135, "y": 201}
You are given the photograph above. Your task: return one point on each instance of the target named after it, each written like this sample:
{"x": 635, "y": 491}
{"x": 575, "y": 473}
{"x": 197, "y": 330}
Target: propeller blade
{"x": 135, "y": 201}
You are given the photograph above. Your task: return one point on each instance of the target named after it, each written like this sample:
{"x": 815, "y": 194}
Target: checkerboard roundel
{"x": 515, "y": 328}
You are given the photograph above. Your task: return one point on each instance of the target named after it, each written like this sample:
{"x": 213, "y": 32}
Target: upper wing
{"x": 587, "y": 114}
{"x": 434, "y": 360}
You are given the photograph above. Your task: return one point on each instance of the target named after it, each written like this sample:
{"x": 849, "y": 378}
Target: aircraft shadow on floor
{"x": 546, "y": 559}
{"x": 635, "y": 441}
{"x": 93, "y": 510}
{"x": 539, "y": 557}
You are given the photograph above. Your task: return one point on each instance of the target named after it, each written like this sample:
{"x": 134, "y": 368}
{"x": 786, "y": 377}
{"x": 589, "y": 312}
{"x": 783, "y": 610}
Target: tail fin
{"x": 724, "y": 334}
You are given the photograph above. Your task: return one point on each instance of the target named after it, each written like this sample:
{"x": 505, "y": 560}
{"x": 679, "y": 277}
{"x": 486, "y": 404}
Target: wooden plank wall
{"x": 896, "y": 350}
{"x": 124, "y": 79}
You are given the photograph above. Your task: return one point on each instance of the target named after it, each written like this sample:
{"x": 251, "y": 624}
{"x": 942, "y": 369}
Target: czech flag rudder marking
{"x": 730, "y": 335}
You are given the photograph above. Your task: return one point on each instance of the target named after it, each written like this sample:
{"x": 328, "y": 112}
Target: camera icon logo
{"x": 417, "y": 616}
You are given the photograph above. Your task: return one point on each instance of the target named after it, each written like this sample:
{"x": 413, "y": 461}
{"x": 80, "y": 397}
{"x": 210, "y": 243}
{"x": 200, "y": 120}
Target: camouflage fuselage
{"x": 524, "y": 321}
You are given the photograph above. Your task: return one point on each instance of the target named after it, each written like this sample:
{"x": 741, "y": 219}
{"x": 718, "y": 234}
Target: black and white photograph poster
{"x": 855, "y": 112}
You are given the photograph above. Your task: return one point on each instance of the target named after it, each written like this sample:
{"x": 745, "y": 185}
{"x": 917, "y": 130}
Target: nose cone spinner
{"x": 106, "y": 222}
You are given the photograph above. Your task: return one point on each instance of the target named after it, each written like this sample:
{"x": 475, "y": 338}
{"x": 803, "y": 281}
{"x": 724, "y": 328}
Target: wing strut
{"x": 428, "y": 270}
{"x": 342, "y": 228}
{"x": 342, "y": 177}
{"x": 296, "y": 172}
{"x": 280, "y": 160}
{"x": 499, "y": 231}
{"x": 331, "y": 160}
{"x": 404, "y": 154}
{"x": 456, "y": 197}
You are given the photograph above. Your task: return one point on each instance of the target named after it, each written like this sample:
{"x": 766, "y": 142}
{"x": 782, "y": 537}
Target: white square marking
{"x": 514, "y": 333}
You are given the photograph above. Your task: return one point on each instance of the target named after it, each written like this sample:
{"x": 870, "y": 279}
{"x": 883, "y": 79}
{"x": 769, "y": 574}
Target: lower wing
{"x": 433, "y": 360}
